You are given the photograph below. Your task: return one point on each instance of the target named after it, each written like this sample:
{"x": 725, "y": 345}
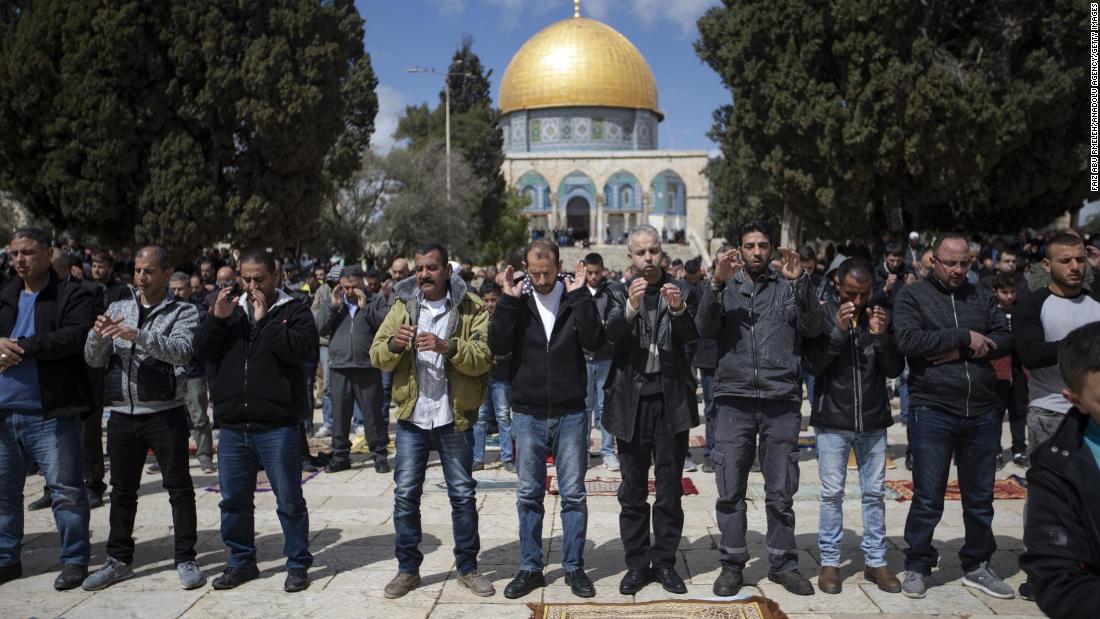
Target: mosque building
{"x": 580, "y": 116}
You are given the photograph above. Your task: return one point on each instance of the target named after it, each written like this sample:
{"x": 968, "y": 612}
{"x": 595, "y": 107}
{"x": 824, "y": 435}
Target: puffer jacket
{"x": 930, "y": 320}
{"x": 144, "y": 376}
{"x": 850, "y": 370}
{"x": 759, "y": 327}
{"x": 468, "y": 358}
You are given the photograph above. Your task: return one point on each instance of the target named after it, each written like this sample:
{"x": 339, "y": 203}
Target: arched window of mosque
{"x": 626, "y": 197}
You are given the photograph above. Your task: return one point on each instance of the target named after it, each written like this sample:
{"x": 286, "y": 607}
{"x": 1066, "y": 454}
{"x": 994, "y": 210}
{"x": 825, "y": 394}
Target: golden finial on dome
{"x": 576, "y": 8}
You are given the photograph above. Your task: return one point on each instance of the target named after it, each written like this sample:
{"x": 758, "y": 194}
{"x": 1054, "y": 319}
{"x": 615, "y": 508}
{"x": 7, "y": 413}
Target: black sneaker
{"x": 1000, "y": 460}
{"x": 11, "y": 572}
{"x": 1027, "y": 592}
{"x": 296, "y": 580}
{"x": 1020, "y": 459}
{"x": 793, "y": 582}
{"x": 337, "y": 465}
{"x": 95, "y": 499}
{"x": 71, "y": 577}
{"x": 234, "y": 577}
{"x": 381, "y": 465}
{"x": 41, "y": 502}
{"x": 308, "y": 466}
{"x": 728, "y": 583}
{"x": 478, "y": 466}
{"x": 908, "y": 461}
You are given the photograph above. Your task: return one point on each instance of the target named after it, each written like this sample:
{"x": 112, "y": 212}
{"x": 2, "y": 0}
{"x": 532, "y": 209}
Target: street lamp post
{"x": 446, "y": 110}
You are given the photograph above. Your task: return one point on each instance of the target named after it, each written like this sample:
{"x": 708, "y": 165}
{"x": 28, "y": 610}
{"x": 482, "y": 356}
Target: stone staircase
{"x": 614, "y": 256}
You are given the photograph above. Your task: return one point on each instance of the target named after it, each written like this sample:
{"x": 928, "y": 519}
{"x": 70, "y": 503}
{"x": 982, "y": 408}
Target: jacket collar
{"x": 10, "y": 292}
{"x": 409, "y": 291}
{"x": 282, "y": 299}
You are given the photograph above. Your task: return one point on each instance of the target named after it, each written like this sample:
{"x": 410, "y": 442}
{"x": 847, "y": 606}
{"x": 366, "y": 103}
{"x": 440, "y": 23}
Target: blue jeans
{"x": 707, "y": 376}
{"x": 832, "y": 466}
{"x": 808, "y": 379}
{"x": 240, "y": 454}
{"x": 567, "y": 437}
{"x": 597, "y": 375}
{"x": 975, "y": 441}
{"x": 55, "y": 445}
{"x": 456, "y": 455}
{"x": 496, "y": 400}
{"x": 387, "y": 395}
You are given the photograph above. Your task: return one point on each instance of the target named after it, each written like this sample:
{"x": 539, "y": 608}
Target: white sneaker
{"x": 323, "y": 432}
{"x": 689, "y": 465}
{"x": 611, "y": 463}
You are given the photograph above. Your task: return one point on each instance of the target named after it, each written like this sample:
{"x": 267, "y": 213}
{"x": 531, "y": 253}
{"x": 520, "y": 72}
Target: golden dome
{"x": 578, "y": 62}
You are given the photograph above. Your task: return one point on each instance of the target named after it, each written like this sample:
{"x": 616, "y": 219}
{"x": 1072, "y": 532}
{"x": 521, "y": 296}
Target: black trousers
{"x": 1014, "y": 397}
{"x": 128, "y": 439}
{"x": 347, "y": 386}
{"x": 653, "y": 442}
{"x": 92, "y": 433}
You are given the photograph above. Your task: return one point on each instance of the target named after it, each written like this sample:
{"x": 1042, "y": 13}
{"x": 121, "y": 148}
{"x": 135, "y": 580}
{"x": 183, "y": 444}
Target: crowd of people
{"x": 966, "y": 333}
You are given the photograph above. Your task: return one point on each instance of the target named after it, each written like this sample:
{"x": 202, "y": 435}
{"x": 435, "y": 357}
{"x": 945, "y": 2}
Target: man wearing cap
{"x": 913, "y": 250}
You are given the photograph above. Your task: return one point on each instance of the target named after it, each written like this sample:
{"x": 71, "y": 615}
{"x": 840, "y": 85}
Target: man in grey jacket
{"x": 759, "y": 317}
{"x": 948, "y": 332}
{"x": 144, "y": 343}
{"x": 350, "y": 321}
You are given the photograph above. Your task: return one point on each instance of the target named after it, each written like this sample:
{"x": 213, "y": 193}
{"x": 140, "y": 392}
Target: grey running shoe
{"x": 477, "y": 584}
{"x": 190, "y": 575}
{"x": 206, "y": 464}
{"x": 689, "y": 465}
{"x": 914, "y": 586}
{"x": 323, "y": 432}
{"x": 983, "y": 579}
{"x": 112, "y": 571}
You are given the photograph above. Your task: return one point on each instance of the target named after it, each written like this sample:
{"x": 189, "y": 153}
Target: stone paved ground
{"x": 350, "y": 518}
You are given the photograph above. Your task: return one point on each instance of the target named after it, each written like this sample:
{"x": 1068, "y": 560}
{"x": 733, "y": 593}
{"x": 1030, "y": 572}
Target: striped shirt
{"x": 433, "y": 404}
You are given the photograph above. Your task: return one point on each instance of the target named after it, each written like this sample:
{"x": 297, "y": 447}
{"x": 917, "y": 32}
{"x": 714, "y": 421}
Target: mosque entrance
{"x": 576, "y": 217}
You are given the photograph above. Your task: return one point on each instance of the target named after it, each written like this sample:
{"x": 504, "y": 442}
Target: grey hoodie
{"x": 143, "y": 376}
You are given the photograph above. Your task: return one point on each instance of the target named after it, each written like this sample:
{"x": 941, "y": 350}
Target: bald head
{"x": 226, "y": 276}
{"x": 399, "y": 269}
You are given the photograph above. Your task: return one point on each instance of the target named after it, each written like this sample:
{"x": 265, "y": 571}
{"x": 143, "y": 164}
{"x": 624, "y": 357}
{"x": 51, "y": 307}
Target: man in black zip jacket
{"x": 650, "y": 409}
{"x": 948, "y": 331}
{"x": 759, "y": 317}
{"x": 350, "y": 320}
{"x": 1062, "y": 523}
{"x": 256, "y": 345}
{"x": 44, "y": 392}
{"x": 547, "y": 332}
{"x": 851, "y": 363}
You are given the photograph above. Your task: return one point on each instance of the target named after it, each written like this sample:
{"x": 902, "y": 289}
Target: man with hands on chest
{"x": 759, "y": 317}
{"x": 650, "y": 408}
{"x": 142, "y": 341}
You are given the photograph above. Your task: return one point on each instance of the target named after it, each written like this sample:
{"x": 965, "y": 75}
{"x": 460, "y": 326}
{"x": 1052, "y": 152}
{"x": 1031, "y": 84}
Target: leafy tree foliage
{"x": 475, "y": 134}
{"x": 182, "y": 122}
{"x": 960, "y": 114}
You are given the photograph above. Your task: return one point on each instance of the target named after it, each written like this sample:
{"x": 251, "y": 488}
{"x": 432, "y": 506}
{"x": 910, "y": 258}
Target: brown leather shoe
{"x": 884, "y": 578}
{"x": 828, "y": 580}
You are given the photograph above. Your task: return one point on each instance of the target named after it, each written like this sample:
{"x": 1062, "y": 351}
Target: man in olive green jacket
{"x": 434, "y": 341}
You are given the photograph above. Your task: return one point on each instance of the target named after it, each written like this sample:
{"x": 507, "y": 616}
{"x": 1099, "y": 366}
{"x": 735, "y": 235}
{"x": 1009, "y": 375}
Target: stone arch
{"x": 668, "y": 194}
{"x": 623, "y": 192}
{"x": 533, "y": 186}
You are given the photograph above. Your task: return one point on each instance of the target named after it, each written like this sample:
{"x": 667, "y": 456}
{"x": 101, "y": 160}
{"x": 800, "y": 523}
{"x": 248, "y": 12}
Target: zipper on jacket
{"x": 857, "y": 383}
{"x": 752, "y": 337}
{"x": 130, "y": 376}
{"x": 966, "y": 364}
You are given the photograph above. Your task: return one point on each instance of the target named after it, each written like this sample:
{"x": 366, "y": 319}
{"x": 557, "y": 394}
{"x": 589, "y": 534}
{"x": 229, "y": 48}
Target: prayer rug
{"x": 1012, "y": 487}
{"x": 610, "y": 486}
{"x": 751, "y": 608}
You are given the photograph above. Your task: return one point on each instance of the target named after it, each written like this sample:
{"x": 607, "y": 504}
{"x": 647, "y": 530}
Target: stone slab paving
{"x": 352, "y": 540}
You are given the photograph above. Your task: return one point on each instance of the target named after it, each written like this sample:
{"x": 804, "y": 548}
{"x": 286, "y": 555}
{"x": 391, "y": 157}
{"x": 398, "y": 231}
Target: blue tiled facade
{"x": 579, "y": 129}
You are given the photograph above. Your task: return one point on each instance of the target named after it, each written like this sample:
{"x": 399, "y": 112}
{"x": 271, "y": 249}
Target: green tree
{"x": 475, "y": 134}
{"x": 182, "y": 122}
{"x": 961, "y": 114}
{"x": 414, "y": 208}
